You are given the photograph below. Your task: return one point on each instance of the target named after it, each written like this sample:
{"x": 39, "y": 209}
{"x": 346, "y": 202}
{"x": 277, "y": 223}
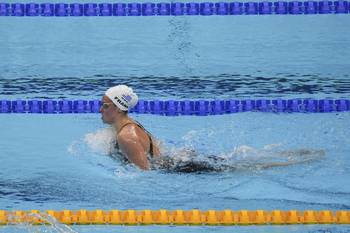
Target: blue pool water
{"x": 60, "y": 162}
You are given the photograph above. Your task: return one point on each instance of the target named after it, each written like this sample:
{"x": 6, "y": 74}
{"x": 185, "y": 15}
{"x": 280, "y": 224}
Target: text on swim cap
{"x": 121, "y": 102}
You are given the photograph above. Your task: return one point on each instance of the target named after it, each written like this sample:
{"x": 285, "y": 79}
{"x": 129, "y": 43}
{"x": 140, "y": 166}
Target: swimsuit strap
{"x": 148, "y": 134}
{"x": 149, "y": 137}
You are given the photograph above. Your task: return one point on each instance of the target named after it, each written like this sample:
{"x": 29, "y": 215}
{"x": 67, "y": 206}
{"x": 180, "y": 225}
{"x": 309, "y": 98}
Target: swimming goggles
{"x": 106, "y": 105}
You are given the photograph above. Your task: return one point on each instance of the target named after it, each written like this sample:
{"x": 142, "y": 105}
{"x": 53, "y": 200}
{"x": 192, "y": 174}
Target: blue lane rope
{"x": 184, "y": 107}
{"x": 174, "y": 9}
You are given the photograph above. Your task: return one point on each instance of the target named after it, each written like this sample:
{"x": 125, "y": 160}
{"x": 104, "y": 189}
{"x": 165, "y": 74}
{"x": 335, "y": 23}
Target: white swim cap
{"x": 122, "y": 96}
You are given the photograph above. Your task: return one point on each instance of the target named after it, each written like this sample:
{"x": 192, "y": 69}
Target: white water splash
{"x": 271, "y": 155}
{"x": 52, "y": 225}
{"x": 100, "y": 142}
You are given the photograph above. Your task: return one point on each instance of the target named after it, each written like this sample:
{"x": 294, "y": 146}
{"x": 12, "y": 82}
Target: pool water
{"x": 61, "y": 161}
{"x": 176, "y": 57}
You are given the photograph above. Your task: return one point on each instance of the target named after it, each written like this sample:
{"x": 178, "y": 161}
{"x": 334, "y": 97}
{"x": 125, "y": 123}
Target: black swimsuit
{"x": 169, "y": 164}
{"x": 151, "y": 152}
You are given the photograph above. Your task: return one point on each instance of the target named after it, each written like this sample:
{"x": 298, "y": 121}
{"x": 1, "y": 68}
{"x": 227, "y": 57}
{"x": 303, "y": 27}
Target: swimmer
{"x": 134, "y": 144}
{"x": 132, "y": 141}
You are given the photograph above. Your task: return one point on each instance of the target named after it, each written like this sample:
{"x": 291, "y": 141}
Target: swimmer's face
{"x": 108, "y": 110}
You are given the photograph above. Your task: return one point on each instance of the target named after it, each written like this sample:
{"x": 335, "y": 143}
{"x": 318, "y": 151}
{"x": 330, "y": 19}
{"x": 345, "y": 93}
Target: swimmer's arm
{"x": 131, "y": 147}
{"x": 277, "y": 164}
{"x": 316, "y": 154}
{"x": 284, "y": 164}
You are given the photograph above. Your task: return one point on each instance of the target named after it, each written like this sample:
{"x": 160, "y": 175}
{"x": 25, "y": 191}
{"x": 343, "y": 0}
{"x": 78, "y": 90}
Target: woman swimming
{"x": 132, "y": 140}
{"x": 134, "y": 144}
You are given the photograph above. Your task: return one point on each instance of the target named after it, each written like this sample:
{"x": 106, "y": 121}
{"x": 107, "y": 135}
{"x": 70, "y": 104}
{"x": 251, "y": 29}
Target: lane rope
{"x": 174, "y": 9}
{"x": 181, "y": 107}
{"x": 176, "y": 217}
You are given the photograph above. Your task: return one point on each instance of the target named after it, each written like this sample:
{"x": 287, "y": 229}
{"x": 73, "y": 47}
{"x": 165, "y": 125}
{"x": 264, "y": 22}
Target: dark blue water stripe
{"x": 185, "y": 107}
{"x": 237, "y": 86}
{"x": 175, "y": 9}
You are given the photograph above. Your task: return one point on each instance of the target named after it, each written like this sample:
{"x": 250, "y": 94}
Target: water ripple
{"x": 333, "y": 206}
{"x": 212, "y": 87}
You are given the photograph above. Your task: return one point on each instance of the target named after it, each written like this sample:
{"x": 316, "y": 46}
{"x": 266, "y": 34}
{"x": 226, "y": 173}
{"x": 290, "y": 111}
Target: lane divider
{"x": 183, "y": 107}
{"x": 176, "y": 217}
{"x": 175, "y": 8}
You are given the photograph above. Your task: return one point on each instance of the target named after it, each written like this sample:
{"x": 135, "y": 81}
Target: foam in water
{"x": 99, "y": 142}
{"x": 102, "y": 141}
{"x": 52, "y": 224}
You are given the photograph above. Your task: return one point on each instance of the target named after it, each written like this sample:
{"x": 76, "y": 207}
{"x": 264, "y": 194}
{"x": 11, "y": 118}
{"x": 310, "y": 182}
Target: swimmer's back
{"x": 147, "y": 140}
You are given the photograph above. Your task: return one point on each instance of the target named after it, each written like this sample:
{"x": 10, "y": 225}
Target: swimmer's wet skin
{"x": 132, "y": 140}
